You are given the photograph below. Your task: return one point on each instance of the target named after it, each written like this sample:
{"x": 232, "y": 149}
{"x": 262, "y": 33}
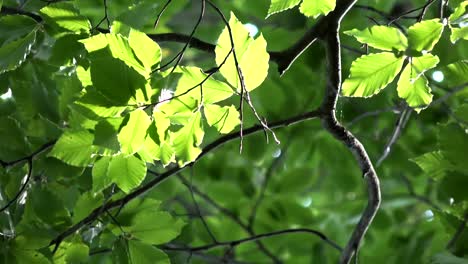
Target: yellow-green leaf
{"x": 423, "y": 36}
{"x": 224, "y": 119}
{"x": 132, "y": 135}
{"x": 315, "y": 8}
{"x": 381, "y": 37}
{"x": 251, "y": 54}
{"x": 371, "y": 73}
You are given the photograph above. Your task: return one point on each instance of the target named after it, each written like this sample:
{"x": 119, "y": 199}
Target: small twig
{"x": 41, "y": 149}
{"x": 238, "y": 242}
{"x": 197, "y": 208}
{"x": 458, "y": 232}
{"x": 106, "y": 17}
{"x": 23, "y": 187}
{"x": 264, "y": 185}
{"x": 393, "y": 109}
{"x": 400, "y": 125}
{"x": 160, "y": 13}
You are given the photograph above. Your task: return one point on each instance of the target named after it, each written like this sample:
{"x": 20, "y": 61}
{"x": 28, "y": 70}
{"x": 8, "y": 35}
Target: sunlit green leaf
{"x": 119, "y": 48}
{"x": 146, "y": 50}
{"x": 381, "y": 37}
{"x": 198, "y": 85}
{"x": 252, "y": 56}
{"x": 315, "y": 8}
{"x": 277, "y": 6}
{"x": 132, "y": 135}
{"x": 459, "y": 11}
{"x": 127, "y": 172}
{"x": 224, "y": 119}
{"x": 154, "y": 227}
{"x": 75, "y": 148}
{"x": 66, "y": 16}
{"x": 423, "y": 36}
{"x": 459, "y": 33}
{"x": 187, "y": 139}
{"x": 371, "y": 73}
{"x": 414, "y": 89}
{"x": 100, "y": 173}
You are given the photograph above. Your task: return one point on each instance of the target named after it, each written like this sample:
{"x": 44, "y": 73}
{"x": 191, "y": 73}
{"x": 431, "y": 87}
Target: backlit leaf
{"x": 75, "y": 148}
{"x": 127, "y": 172}
{"x": 132, "y": 135}
{"x": 277, "y": 6}
{"x": 251, "y": 54}
{"x": 371, "y": 73}
{"x": 224, "y": 119}
{"x": 187, "y": 139}
{"x": 66, "y": 16}
{"x": 381, "y": 37}
{"x": 315, "y": 8}
{"x": 423, "y": 36}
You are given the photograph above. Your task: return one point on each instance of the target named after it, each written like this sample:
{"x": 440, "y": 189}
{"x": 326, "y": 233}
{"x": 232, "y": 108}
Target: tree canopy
{"x": 211, "y": 131}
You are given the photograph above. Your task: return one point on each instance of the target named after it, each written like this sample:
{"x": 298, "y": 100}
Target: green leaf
{"x": 224, "y": 119}
{"x": 132, "y": 251}
{"x": 119, "y": 48}
{"x": 66, "y": 16}
{"x": 132, "y": 135}
{"x": 251, "y": 54}
{"x": 211, "y": 89}
{"x": 448, "y": 258}
{"x": 13, "y": 143}
{"x": 458, "y": 13}
{"x": 187, "y": 139}
{"x": 453, "y": 142}
{"x": 15, "y": 27}
{"x": 14, "y": 53}
{"x": 459, "y": 33}
{"x": 412, "y": 85}
{"x": 154, "y": 227}
{"x": 116, "y": 81}
{"x": 423, "y": 36}
{"x": 381, "y": 37}
{"x": 371, "y": 73}
{"x": 127, "y": 172}
{"x": 456, "y": 73}
{"x": 105, "y": 135}
{"x": 315, "y": 8}
{"x": 75, "y": 148}
{"x": 48, "y": 207}
{"x": 146, "y": 50}
{"x": 414, "y": 90}
{"x": 277, "y": 6}
{"x": 433, "y": 164}
{"x": 100, "y": 174}
{"x": 85, "y": 204}
{"x": 144, "y": 253}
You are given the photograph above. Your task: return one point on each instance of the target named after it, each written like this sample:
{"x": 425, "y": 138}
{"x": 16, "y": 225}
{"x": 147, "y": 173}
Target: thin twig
{"x": 458, "y": 232}
{"x": 400, "y": 125}
{"x": 238, "y": 242}
{"x": 23, "y": 187}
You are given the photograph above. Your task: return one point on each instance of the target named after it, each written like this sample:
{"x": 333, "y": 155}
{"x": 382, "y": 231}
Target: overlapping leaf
{"x": 381, "y": 37}
{"x": 251, "y": 54}
{"x": 371, "y": 73}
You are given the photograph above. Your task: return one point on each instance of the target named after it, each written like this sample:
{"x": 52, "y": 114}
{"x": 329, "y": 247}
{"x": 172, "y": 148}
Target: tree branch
{"x": 331, "y": 124}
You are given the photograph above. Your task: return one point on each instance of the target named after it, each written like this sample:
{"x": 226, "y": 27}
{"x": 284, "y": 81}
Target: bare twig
{"x": 238, "y": 242}
{"x": 458, "y": 232}
{"x": 400, "y": 125}
{"x": 158, "y": 17}
{"x": 23, "y": 187}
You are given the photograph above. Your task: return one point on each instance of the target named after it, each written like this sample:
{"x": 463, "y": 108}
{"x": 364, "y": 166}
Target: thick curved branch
{"x": 210, "y": 147}
{"x": 331, "y": 124}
